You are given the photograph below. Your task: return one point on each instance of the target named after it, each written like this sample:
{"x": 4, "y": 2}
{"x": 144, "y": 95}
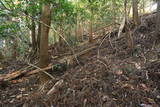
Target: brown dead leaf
{"x": 143, "y": 86}
{"x": 129, "y": 86}
{"x": 22, "y": 89}
{"x": 19, "y": 96}
{"x": 119, "y": 72}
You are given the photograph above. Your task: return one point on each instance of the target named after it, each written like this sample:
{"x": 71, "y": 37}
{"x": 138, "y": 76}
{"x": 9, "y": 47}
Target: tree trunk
{"x": 158, "y": 19}
{"x": 143, "y": 6}
{"x": 39, "y": 33}
{"x": 61, "y": 41}
{"x": 91, "y": 28}
{"x": 33, "y": 34}
{"x": 128, "y": 34}
{"x": 114, "y": 13}
{"x": 90, "y": 32}
{"x": 14, "y": 54}
{"x": 135, "y": 12}
{"x": 79, "y": 31}
{"x": 45, "y": 26}
{"x": 39, "y": 36}
{"x": 1, "y": 56}
{"x": 125, "y": 9}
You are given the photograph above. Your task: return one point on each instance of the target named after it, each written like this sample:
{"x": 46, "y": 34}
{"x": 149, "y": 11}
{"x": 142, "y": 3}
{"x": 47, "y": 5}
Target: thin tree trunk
{"x": 158, "y": 19}
{"x": 114, "y": 13}
{"x": 39, "y": 32}
{"x": 128, "y": 34}
{"x": 45, "y": 26}
{"x": 14, "y": 54}
{"x": 91, "y": 28}
{"x": 60, "y": 30}
{"x": 143, "y": 6}
{"x": 38, "y": 36}
{"x": 135, "y": 12}
{"x": 79, "y": 31}
{"x": 125, "y": 9}
{"x": 33, "y": 34}
{"x": 54, "y": 37}
{"x": 90, "y": 32}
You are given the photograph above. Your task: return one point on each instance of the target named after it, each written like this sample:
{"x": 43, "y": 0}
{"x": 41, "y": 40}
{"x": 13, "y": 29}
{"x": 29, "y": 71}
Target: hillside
{"x": 107, "y": 74}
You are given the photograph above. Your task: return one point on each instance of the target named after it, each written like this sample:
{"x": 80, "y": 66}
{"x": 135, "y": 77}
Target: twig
{"x": 42, "y": 71}
{"x": 147, "y": 77}
{"x": 110, "y": 41}
{"x": 55, "y": 87}
{"x": 144, "y": 57}
{"x": 102, "y": 63}
{"x": 98, "y": 53}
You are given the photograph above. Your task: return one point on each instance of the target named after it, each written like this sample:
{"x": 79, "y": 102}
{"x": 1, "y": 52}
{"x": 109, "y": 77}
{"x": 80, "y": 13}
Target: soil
{"x": 108, "y": 76}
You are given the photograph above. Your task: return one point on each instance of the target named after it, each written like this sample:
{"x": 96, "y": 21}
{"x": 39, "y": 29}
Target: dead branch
{"x": 19, "y": 74}
{"x": 55, "y": 87}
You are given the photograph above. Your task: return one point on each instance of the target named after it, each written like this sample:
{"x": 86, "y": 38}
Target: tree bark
{"x": 91, "y": 28}
{"x": 33, "y": 34}
{"x": 128, "y": 34}
{"x": 79, "y": 31}
{"x": 15, "y": 45}
{"x": 143, "y": 6}
{"x": 158, "y": 19}
{"x": 125, "y": 9}
{"x": 39, "y": 33}
{"x": 90, "y": 32}
{"x": 45, "y": 26}
{"x": 39, "y": 36}
{"x": 135, "y": 12}
{"x": 114, "y": 13}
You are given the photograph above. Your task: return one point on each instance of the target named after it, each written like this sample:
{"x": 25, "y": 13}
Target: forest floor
{"x": 107, "y": 76}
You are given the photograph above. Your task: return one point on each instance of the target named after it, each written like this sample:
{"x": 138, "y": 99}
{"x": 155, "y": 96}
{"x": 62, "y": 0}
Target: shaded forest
{"x": 79, "y": 53}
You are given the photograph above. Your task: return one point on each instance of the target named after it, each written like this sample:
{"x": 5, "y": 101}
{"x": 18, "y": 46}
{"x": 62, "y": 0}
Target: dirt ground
{"x": 108, "y": 76}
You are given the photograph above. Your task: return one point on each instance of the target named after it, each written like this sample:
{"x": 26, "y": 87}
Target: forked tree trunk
{"x": 45, "y": 26}
{"x": 135, "y": 12}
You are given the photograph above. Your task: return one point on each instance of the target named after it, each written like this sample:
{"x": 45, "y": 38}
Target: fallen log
{"x": 18, "y": 74}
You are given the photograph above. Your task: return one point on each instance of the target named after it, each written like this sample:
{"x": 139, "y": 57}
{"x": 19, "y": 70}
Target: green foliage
{"x": 66, "y": 14}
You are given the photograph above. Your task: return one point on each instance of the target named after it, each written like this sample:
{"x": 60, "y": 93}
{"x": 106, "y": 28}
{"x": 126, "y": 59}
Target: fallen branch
{"x": 55, "y": 87}
{"x": 18, "y": 74}
{"x": 43, "y": 71}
